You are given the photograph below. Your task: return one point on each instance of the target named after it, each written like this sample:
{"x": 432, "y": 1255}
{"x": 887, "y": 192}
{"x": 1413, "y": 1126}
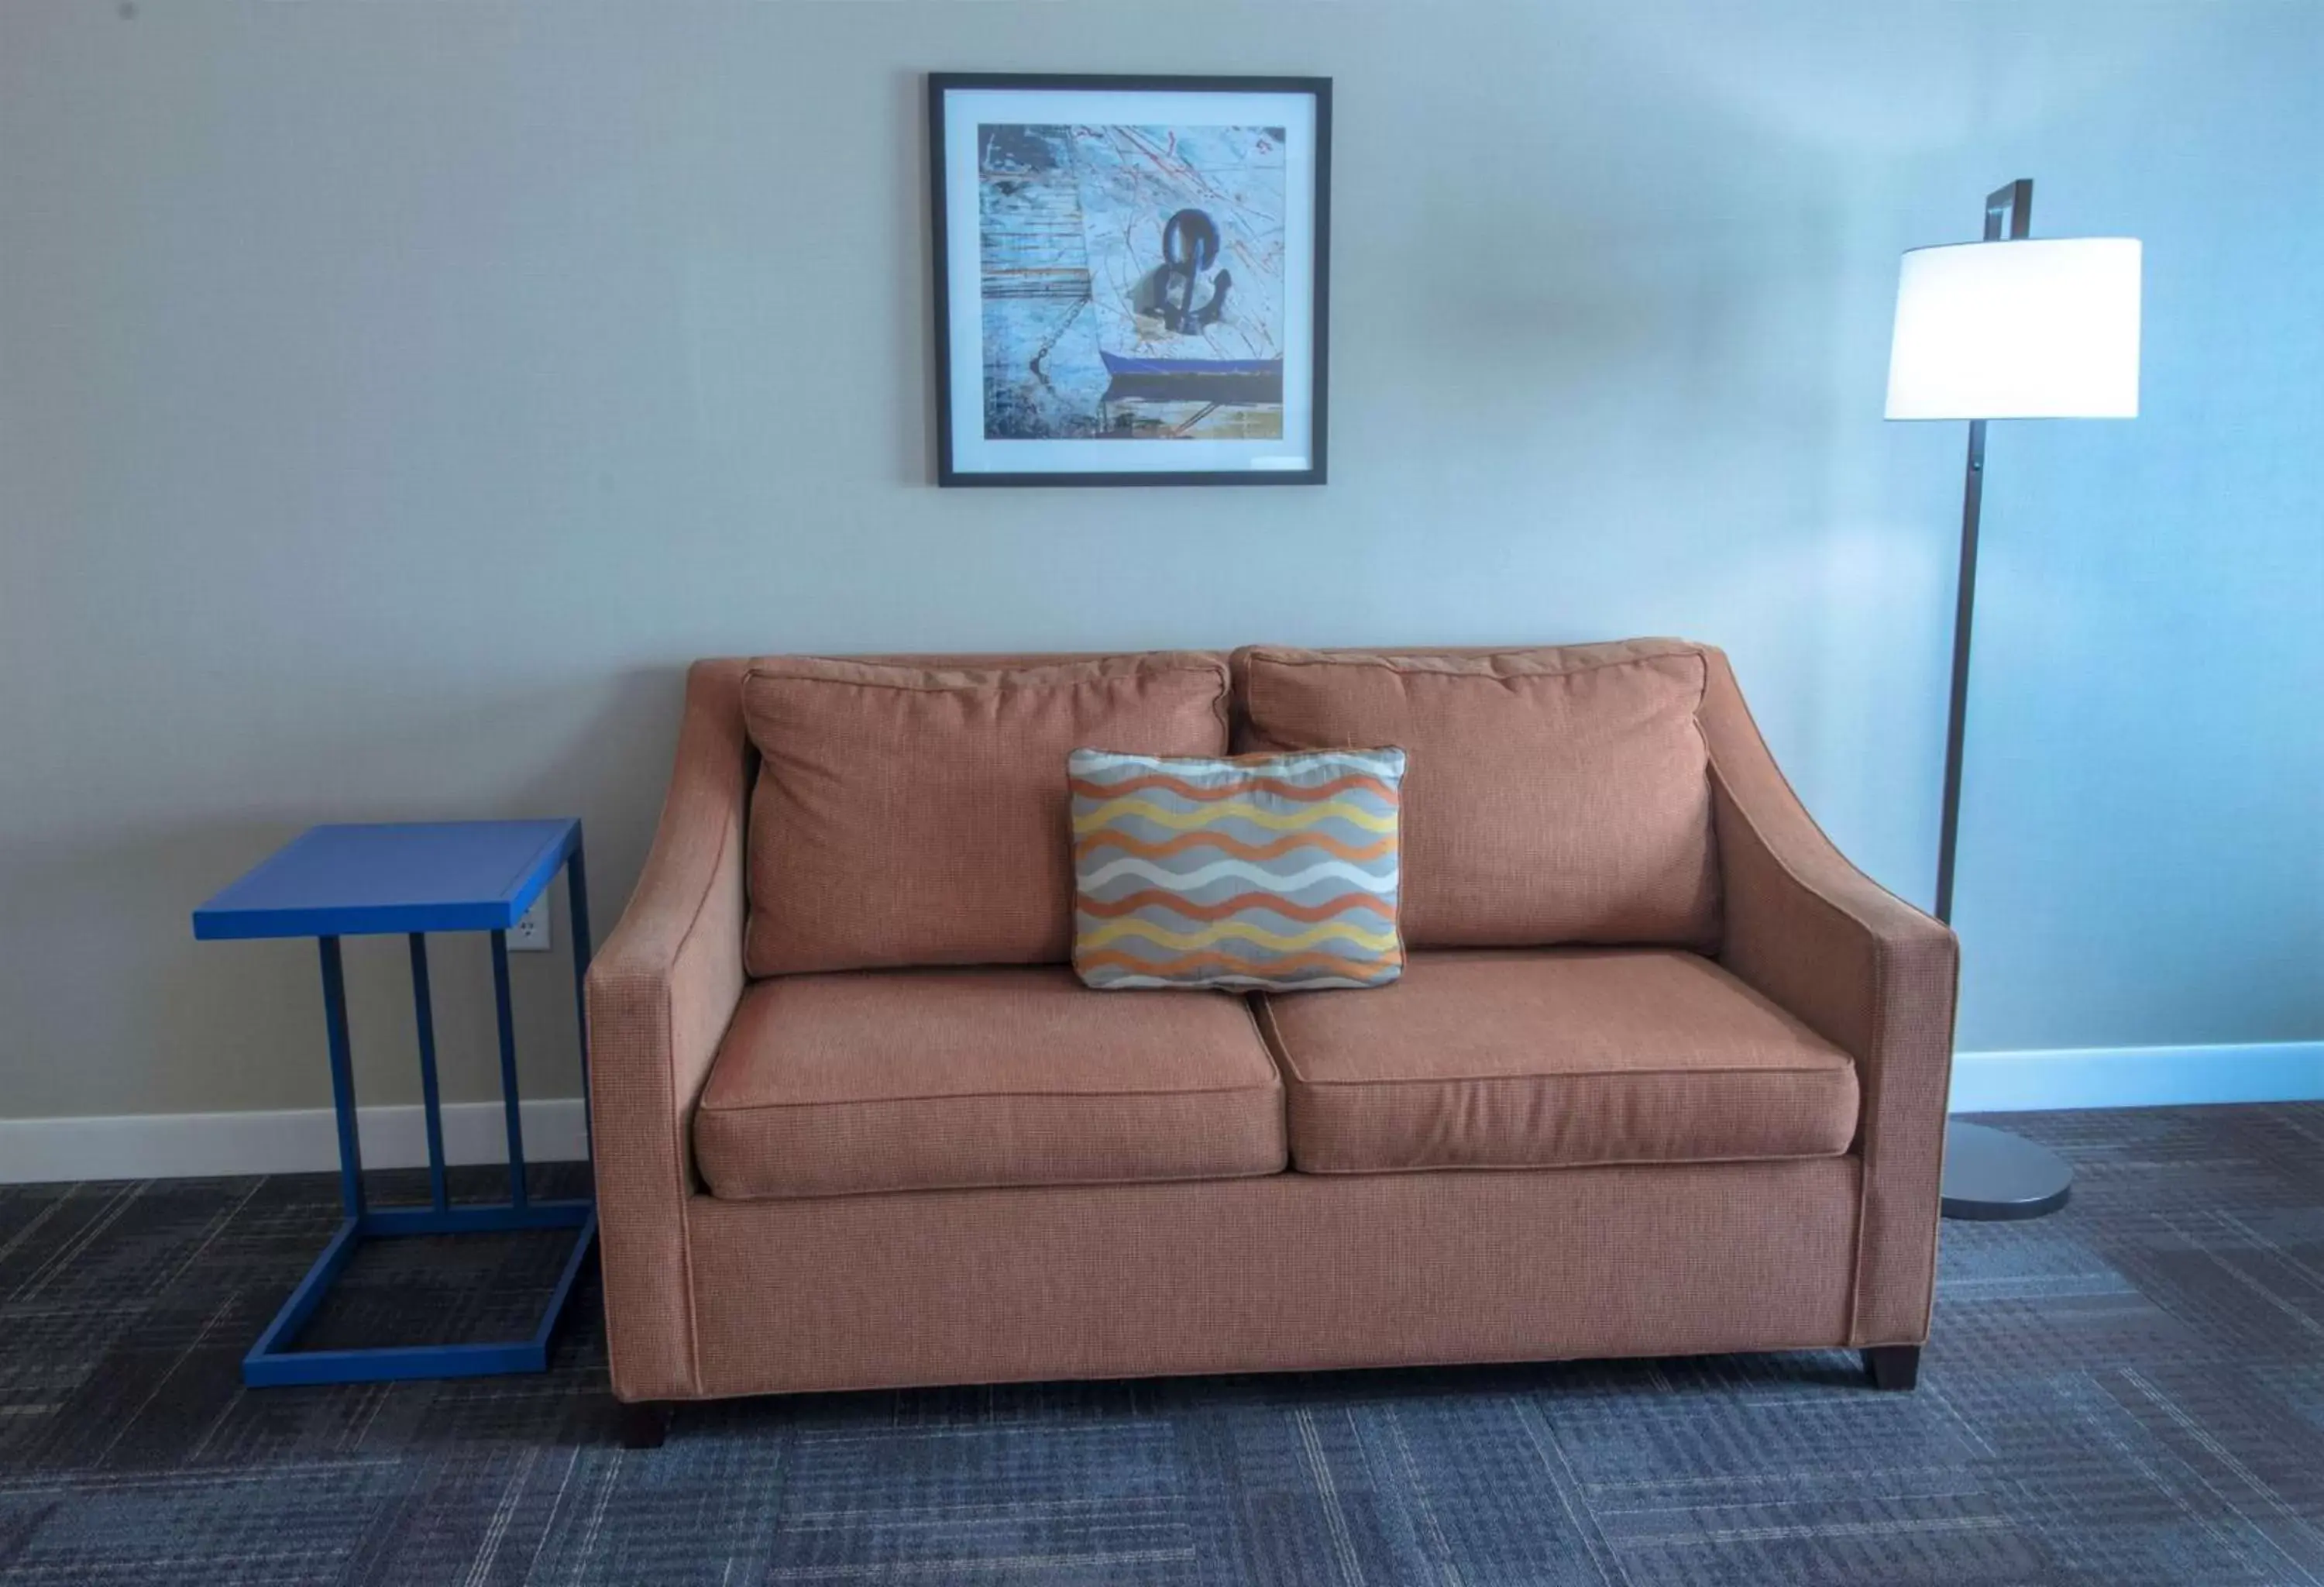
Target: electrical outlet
{"x": 530, "y": 935}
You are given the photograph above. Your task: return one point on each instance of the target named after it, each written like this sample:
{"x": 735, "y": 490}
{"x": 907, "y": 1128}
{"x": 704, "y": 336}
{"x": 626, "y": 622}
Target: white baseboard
{"x": 162, "y": 1146}
{"x": 290, "y": 1140}
{"x": 2137, "y": 1076}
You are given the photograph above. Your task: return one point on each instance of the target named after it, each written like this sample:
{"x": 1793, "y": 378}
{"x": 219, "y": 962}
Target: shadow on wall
{"x": 1954, "y": 74}
{"x": 916, "y": 354}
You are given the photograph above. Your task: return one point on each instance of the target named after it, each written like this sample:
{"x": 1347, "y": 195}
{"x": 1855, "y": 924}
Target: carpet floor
{"x": 2130, "y": 1392}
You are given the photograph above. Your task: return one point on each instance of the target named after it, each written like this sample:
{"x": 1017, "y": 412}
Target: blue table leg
{"x": 517, "y": 1195}
{"x": 576, "y": 887}
{"x": 423, "y": 1010}
{"x": 273, "y": 1360}
{"x": 343, "y": 1078}
{"x": 263, "y": 1364}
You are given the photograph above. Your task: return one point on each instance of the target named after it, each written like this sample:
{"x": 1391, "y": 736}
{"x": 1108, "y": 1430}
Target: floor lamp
{"x": 2008, "y": 328}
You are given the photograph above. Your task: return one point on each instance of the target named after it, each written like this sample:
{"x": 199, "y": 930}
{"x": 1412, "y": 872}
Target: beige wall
{"x": 392, "y": 398}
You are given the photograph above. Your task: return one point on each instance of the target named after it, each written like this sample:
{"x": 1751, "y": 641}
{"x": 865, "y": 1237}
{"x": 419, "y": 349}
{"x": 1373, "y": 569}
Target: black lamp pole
{"x": 1990, "y": 1175}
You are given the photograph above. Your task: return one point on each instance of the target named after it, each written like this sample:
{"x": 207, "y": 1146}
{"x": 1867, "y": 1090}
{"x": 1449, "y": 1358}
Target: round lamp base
{"x": 1994, "y": 1177}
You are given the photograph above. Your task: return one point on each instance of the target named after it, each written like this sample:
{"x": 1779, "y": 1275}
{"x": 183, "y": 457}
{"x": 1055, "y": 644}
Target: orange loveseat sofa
{"x": 1663, "y": 1076}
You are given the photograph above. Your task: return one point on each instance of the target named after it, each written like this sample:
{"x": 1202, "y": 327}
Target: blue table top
{"x": 400, "y": 876}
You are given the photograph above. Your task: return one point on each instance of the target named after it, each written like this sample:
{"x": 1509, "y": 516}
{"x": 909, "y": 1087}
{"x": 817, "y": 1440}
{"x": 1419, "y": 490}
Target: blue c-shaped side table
{"x": 335, "y": 882}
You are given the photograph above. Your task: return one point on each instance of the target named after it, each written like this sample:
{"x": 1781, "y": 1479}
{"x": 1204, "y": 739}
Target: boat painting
{"x": 1132, "y": 281}
{"x": 1131, "y": 278}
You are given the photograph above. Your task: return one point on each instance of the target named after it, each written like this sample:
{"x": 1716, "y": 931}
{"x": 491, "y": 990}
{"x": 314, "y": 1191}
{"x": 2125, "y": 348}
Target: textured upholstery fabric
{"x": 932, "y": 1079}
{"x": 660, "y": 992}
{"x": 1267, "y": 871}
{"x": 916, "y": 815}
{"x": 1550, "y": 1056}
{"x": 706, "y": 1297}
{"x": 1871, "y": 974}
{"x": 1551, "y": 796}
{"x": 1285, "y": 1273}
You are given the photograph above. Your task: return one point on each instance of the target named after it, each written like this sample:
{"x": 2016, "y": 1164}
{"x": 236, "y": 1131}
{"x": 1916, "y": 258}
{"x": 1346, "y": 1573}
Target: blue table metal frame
{"x": 273, "y": 1360}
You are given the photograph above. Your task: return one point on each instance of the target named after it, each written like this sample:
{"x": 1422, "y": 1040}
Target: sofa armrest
{"x": 1872, "y": 974}
{"x": 660, "y": 992}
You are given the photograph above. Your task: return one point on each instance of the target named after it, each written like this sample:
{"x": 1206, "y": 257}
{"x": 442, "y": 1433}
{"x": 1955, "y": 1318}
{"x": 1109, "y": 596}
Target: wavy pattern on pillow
{"x": 1270, "y": 871}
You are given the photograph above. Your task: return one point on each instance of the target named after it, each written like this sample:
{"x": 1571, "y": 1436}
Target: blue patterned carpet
{"x": 2131, "y": 1392}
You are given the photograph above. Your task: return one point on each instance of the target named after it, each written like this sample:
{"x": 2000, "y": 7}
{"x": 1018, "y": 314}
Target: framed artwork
{"x": 1130, "y": 277}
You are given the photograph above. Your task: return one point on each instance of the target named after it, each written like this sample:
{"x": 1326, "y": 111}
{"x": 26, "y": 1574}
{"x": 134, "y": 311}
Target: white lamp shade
{"x": 2024, "y": 329}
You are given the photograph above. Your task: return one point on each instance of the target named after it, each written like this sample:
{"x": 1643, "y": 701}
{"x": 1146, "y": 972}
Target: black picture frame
{"x": 943, "y": 233}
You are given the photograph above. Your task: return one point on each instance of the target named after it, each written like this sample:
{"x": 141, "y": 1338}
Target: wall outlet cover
{"x": 530, "y": 935}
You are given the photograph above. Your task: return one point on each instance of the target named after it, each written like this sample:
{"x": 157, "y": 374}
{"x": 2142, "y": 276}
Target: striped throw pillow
{"x": 1273, "y": 872}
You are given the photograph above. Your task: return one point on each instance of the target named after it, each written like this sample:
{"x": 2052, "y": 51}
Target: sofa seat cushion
{"x": 937, "y": 1079}
{"x": 1554, "y": 1058}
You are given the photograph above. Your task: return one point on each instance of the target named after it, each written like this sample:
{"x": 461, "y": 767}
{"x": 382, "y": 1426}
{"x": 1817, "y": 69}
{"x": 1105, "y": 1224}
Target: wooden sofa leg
{"x": 644, "y": 1425}
{"x": 1893, "y": 1367}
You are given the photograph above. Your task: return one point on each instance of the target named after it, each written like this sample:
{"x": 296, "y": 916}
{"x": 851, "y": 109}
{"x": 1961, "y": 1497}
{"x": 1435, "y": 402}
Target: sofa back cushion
{"x": 909, "y": 813}
{"x": 1551, "y": 796}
